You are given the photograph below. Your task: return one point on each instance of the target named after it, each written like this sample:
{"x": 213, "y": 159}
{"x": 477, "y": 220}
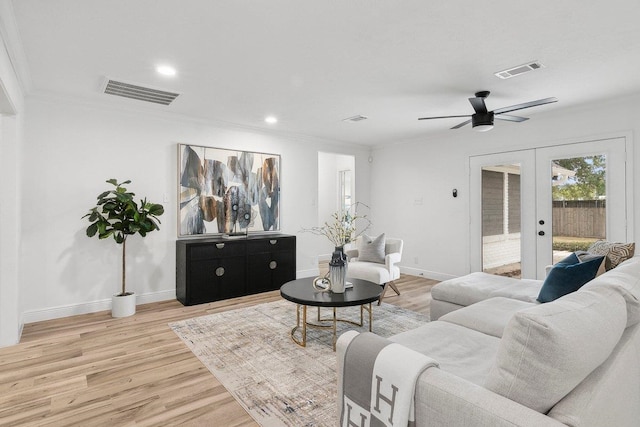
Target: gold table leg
{"x": 303, "y": 341}
{"x": 334, "y": 323}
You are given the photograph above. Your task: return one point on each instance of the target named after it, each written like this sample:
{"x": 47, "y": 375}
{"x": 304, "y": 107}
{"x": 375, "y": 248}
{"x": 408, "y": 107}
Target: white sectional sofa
{"x": 505, "y": 360}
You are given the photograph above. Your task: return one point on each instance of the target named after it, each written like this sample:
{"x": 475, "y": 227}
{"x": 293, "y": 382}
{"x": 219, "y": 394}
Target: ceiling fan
{"x": 482, "y": 119}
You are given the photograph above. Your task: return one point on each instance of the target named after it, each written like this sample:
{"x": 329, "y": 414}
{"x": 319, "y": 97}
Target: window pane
{"x": 579, "y": 203}
{"x": 501, "y": 242}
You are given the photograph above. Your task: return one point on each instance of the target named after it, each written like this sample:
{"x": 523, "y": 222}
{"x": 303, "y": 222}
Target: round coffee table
{"x": 302, "y": 292}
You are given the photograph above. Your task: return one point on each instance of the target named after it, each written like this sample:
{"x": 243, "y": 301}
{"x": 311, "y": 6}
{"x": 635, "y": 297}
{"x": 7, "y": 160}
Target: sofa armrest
{"x": 445, "y": 399}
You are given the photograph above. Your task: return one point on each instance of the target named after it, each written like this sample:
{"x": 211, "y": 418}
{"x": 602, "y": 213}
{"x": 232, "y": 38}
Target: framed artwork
{"x": 225, "y": 191}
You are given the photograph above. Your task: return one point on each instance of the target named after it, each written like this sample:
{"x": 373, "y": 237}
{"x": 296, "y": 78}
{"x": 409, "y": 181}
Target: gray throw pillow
{"x": 371, "y": 249}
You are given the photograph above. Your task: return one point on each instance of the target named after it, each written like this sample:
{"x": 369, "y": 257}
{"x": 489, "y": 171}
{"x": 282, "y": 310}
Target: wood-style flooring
{"x": 93, "y": 370}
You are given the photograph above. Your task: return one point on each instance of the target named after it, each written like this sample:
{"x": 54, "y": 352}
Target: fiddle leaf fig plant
{"x": 118, "y": 215}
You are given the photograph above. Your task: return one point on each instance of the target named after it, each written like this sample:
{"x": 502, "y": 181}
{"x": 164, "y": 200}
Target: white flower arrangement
{"x": 342, "y": 229}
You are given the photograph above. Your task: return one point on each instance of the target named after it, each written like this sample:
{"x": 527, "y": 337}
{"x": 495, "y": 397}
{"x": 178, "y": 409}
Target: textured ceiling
{"x": 314, "y": 63}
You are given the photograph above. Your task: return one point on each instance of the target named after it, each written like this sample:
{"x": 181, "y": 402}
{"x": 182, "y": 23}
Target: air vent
{"x": 141, "y": 93}
{"x": 355, "y": 119}
{"x": 520, "y": 69}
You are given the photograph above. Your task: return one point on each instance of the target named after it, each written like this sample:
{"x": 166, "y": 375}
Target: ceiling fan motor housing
{"x": 480, "y": 119}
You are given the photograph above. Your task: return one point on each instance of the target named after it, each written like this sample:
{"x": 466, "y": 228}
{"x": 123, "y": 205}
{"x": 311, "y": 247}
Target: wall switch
{"x": 417, "y": 202}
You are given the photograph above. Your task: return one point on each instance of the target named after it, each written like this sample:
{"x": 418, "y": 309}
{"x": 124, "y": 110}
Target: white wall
{"x": 11, "y": 105}
{"x": 412, "y": 182}
{"x": 70, "y": 149}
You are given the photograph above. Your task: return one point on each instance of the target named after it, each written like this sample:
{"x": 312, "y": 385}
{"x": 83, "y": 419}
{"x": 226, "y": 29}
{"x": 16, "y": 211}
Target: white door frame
{"x": 535, "y": 165}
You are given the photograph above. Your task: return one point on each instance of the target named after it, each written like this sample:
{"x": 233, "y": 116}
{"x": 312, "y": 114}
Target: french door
{"x": 529, "y": 208}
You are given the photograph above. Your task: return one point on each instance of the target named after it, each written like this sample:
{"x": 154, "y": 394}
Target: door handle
{"x": 540, "y": 233}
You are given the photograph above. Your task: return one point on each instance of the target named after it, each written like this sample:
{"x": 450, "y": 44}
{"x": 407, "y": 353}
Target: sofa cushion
{"x": 609, "y": 396}
{"x": 568, "y": 276}
{"x": 489, "y": 316}
{"x": 616, "y": 253}
{"x": 625, "y": 279}
{"x": 458, "y": 350}
{"x": 479, "y": 286}
{"x": 527, "y": 290}
{"x": 547, "y": 350}
{"x": 371, "y": 249}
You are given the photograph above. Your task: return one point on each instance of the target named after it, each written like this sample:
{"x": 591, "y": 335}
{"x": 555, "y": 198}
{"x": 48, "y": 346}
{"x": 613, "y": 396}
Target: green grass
{"x": 572, "y": 244}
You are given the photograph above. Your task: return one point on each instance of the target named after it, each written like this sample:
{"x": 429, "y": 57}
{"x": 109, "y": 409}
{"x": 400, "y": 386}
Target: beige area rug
{"x": 278, "y": 382}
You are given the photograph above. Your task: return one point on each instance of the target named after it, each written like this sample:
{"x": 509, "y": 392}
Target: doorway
{"x": 531, "y": 208}
{"x": 336, "y": 184}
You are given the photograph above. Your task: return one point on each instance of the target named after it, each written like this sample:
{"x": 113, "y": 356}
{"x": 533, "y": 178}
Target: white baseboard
{"x": 434, "y": 275}
{"x": 90, "y": 307}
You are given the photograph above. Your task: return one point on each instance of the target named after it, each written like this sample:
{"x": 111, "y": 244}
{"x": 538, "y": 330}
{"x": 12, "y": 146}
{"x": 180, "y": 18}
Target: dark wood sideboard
{"x": 217, "y": 268}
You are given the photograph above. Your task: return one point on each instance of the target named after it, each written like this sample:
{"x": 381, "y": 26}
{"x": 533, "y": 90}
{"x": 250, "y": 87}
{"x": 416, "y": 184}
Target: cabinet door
{"x": 268, "y": 271}
{"x": 216, "y": 279}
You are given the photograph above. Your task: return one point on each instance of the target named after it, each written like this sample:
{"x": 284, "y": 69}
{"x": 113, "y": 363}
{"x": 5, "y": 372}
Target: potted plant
{"x": 117, "y": 214}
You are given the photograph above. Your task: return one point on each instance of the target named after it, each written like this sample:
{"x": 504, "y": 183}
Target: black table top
{"x": 301, "y": 291}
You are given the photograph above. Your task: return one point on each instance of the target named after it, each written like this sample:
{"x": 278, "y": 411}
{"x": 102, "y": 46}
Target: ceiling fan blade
{"x": 525, "y": 105}
{"x": 442, "y": 117}
{"x": 458, "y": 126}
{"x": 511, "y": 118}
{"x": 478, "y": 105}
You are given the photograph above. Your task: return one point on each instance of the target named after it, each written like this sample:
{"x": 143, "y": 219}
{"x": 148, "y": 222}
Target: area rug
{"x": 278, "y": 382}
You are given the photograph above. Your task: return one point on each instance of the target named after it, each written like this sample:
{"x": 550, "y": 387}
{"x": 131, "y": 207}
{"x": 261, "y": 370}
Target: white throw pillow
{"x": 547, "y": 350}
{"x": 371, "y": 249}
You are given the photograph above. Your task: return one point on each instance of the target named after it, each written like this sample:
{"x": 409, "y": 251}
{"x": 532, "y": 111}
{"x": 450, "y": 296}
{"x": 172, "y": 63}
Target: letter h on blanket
{"x": 379, "y": 381}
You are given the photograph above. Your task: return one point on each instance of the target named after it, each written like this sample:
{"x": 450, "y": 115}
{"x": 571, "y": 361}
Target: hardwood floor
{"x": 93, "y": 370}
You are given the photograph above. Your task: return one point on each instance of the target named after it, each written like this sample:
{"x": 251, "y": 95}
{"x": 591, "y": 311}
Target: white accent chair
{"x": 382, "y": 274}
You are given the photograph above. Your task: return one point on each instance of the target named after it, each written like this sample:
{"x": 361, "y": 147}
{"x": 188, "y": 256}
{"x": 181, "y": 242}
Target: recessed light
{"x": 166, "y": 70}
{"x": 271, "y": 120}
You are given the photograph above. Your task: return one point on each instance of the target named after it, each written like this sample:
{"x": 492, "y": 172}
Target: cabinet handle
{"x": 220, "y": 271}
{"x": 219, "y": 245}
{"x": 273, "y": 265}
{"x": 273, "y": 242}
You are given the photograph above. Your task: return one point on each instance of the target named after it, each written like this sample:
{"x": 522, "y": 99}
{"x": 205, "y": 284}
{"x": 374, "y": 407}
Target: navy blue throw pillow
{"x": 568, "y": 276}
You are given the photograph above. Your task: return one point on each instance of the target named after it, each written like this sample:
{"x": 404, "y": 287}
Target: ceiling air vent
{"x": 354, "y": 119}
{"x": 520, "y": 69}
{"x": 141, "y": 93}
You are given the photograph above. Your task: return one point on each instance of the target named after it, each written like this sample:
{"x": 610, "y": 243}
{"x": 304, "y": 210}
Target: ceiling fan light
{"x": 482, "y": 128}
{"x": 482, "y": 122}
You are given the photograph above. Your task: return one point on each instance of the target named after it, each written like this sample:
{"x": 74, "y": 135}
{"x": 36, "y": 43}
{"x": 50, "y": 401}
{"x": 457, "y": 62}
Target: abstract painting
{"x": 225, "y": 191}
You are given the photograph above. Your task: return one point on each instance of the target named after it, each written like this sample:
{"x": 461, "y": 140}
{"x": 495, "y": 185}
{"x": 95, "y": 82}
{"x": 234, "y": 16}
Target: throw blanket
{"x": 378, "y": 381}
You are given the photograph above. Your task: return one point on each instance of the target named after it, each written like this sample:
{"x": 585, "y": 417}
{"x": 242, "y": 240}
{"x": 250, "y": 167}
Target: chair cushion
{"x": 547, "y": 350}
{"x": 616, "y": 253}
{"x": 568, "y": 276}
{"x": 372, "y": 272}
{"x": 371, "y": 249}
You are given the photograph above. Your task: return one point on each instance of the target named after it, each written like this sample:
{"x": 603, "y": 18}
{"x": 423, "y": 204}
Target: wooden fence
{"x": 579, "y": 218}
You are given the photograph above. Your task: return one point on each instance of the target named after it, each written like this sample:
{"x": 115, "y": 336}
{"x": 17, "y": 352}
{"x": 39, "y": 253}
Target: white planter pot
{"x": 123, "y": 306}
